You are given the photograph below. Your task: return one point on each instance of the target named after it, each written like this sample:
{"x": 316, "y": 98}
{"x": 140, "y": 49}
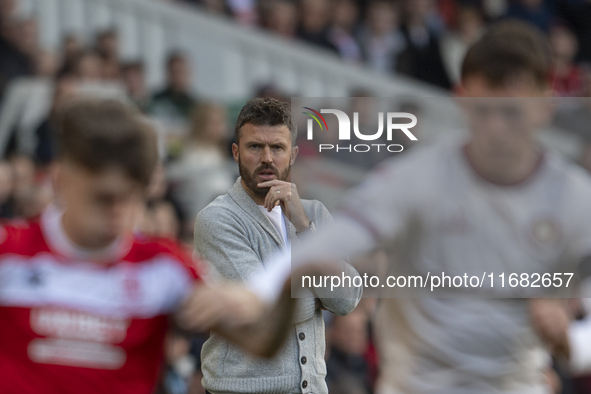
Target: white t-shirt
{"x": 278, "y": 219}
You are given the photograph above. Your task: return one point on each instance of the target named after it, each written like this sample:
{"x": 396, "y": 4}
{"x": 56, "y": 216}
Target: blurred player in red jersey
{"x": 85, "y": 303}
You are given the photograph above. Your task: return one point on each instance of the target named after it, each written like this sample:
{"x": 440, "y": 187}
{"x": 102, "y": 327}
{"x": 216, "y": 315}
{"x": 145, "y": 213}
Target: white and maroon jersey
{"x": 68, "y": 325}
{"x": 439, "y": 215}
{"x": 454, "y": 221}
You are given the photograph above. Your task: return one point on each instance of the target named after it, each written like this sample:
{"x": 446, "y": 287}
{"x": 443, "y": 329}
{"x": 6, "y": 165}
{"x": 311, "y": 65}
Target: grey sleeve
{"x": 343, "y": 300}
{"x": 221, "y": 240}
{"x": 319, "y": 217}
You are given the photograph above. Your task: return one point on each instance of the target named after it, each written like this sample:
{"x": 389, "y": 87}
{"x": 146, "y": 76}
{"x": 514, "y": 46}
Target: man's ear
{"x": 294, "y": 154}
{"x": 235, "y": 152}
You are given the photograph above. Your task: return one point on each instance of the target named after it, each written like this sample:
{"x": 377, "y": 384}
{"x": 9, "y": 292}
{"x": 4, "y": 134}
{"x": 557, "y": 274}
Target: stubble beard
{"x": 249, "y": 179}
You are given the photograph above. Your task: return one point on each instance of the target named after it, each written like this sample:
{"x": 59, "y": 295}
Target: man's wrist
{"x": 308, "y": 231}
{"x": 303, "y": 227}
{"x": 301, "y": 222}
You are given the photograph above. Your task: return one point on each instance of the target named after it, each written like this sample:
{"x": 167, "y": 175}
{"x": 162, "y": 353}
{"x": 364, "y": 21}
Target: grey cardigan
{"x": 235, "y": 237}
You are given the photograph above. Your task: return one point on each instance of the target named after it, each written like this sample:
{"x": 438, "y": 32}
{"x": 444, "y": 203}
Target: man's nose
{"x": 266, "y": 157}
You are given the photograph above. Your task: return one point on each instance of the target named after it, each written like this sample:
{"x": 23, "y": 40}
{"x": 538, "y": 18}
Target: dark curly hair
{"x": 266, "y": 111}
{"x": 507, "y": 50}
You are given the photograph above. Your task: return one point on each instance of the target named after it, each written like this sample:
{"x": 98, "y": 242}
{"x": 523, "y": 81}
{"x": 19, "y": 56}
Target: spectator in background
{"x": 380, "y": 36}
{"x": 30, "y": 196}
{"x": 347, "y": 342}
{"x": 87, "y": 66}
{"x": 566, "y": 77}
{"x": 448, "y": 10}
{"x": 27, "y": 37}
{"x": 578, "y": 16}
{"x": 179, "y": 364}
{"x": 161, "y": 220}
{"x": 173, "y": 105}
{"x": 314, "y": 25}
{"x": 33, "y": 200}
{"x": 71, "y": 48}
{"x": 24, "y": 174}
{"x": 535, "y": 12}
{"x": 203, "y": 172}
{"x": 13, "y": 62}
{"x": 576, "y": 119}
{"x": 469, "y": 25}
{"x": 494, "y": 9}
{"x": 6, "y": 190}
{"x": 342, "y": 33}
{"x": 422, "y": 57}
{"x": 107, "y": 46}
{"x": 66, "y": 86}
{"x": 158, "y": 187}
{"x": 159, "y": 202}
{"x": 281, "y": 17}
{"x": 7, "y": 8}
{"x": 134, "y": 78}
{"x": 46, "y": 64}
{"x": 40, "y": 62}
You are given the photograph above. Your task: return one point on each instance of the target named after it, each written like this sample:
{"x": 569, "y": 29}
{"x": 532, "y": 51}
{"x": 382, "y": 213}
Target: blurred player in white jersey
{"x": 495, "y": 201}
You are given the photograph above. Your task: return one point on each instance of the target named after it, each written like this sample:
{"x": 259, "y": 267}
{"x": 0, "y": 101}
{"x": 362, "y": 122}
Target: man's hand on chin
{"x": 286, "y": 194}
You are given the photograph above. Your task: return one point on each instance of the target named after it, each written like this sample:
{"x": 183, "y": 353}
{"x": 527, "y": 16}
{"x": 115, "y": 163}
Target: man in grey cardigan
{"x": 260, "y": 215}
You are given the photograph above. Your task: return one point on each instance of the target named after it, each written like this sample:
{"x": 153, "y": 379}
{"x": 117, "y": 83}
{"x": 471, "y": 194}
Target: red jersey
{"x": 569, "y": 85}
{"x": 68, "y": 325}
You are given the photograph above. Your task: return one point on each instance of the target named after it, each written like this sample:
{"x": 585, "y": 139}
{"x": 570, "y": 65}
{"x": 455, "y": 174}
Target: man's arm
{"x": 235, "y": 313}
{"x": 342, "y": 300}
{"x": 319, "y": 253}
{"x": 553, "y": 320}
{"x": 567, "y": 339}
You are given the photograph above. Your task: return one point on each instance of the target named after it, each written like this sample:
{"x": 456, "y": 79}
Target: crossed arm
{"x": 235, "y": 313}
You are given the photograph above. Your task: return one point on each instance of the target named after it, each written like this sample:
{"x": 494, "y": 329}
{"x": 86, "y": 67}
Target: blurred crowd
{"x": 424, "y": 39}
{"x": 195, "y": 134}
{"x": 197, "y": 166}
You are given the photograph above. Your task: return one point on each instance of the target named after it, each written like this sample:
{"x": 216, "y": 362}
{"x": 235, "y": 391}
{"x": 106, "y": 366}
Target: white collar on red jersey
{"x": 58, "y": 241}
